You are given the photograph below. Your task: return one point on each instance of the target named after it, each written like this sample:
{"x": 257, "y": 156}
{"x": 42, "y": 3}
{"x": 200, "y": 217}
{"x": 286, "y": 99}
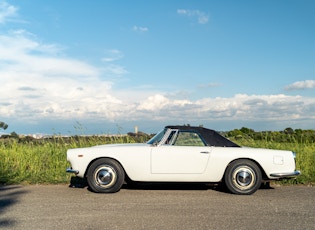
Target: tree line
{"x": 287, "y": 135}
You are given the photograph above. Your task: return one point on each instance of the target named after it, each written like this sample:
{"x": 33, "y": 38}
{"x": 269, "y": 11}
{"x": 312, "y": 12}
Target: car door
{"x": 185, "y": 154}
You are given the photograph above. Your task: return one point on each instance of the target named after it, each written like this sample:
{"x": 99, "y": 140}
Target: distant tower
{"x": 136, "y": 129}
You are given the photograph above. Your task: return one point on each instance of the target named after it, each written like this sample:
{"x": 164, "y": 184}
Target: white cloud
{"x": 240, "y": 107}
{"x": 202, "y": 17}
{"x": 19, "y": 53}
{"x": 39, "y": 82}
{"x": 140, "y": 29}
{"x": 113, "y": 55}
{"x": 7, "y": 12}
{"x": 210, "y": 85}
{"x": 113, "y": 69}
{"x": 301, "y": 85}
{"x": 117, "y": 70}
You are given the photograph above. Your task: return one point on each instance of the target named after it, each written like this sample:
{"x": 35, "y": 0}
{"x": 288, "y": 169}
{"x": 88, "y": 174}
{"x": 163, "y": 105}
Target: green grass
{"x": 44, "y": 161}
{"x": 32, "y": 163}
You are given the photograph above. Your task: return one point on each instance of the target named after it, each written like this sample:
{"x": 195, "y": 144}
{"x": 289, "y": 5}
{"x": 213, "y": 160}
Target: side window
{"x": 188, "y": 139}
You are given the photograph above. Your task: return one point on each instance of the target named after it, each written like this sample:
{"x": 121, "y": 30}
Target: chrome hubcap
{"x": 244, "y": 177}
{"x": 105, "y": 176}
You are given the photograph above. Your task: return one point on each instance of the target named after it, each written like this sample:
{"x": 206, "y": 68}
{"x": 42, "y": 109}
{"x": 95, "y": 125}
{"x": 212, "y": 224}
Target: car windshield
{"x": 157, "y": 138}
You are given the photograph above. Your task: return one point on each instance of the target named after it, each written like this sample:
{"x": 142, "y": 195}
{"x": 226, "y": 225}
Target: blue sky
{"x": 107, "y": 66}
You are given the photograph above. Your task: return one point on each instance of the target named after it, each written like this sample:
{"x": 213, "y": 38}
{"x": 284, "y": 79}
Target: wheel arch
{"x": 95, "y": 159}
{"x": 263, "y": 173}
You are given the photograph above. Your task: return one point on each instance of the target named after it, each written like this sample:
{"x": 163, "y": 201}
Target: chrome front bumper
{"x": 285, "y": 175}
{"x": 70, "y": 170}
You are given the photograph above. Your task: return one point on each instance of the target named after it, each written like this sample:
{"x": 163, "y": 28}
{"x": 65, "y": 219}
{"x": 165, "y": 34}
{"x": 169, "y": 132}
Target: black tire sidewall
{"x": 229, "y": 172}
{"x": 119, "y": 173}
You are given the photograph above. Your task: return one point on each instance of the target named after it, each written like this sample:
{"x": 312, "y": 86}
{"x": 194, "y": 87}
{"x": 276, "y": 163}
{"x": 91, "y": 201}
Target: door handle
{"x": 205, "y": 152}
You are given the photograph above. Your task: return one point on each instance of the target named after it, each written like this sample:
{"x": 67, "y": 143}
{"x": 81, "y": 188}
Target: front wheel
{"x": 105, "y": 176}
{"x": 242, "y": 177}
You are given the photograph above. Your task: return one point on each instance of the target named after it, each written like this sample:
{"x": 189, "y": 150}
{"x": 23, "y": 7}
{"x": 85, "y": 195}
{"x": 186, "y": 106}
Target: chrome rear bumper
{"x": 70, "y": 170}
{"x": 285, "y": 175}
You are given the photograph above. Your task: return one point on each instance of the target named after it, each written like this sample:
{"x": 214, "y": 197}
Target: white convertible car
{"x": 181, "y": 154}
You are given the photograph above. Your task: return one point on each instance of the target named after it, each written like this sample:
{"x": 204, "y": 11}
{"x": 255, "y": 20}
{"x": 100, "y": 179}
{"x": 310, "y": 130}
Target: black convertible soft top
{"x": 211, "y": 137}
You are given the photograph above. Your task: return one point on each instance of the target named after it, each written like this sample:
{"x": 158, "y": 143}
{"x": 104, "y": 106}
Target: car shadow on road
{"x": 77, "y": 182}
{"x": 172, "y": 186}
{"x": 219, "y": 187}
{"x": 8, "y": 197}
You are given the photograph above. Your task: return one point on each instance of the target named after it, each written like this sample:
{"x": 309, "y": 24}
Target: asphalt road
{"x": 155, "y": 207}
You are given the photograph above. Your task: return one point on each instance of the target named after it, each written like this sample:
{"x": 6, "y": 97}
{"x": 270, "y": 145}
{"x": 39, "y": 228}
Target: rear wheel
{"x": 105, "y": 176}
{"x": 243, "y": 177}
